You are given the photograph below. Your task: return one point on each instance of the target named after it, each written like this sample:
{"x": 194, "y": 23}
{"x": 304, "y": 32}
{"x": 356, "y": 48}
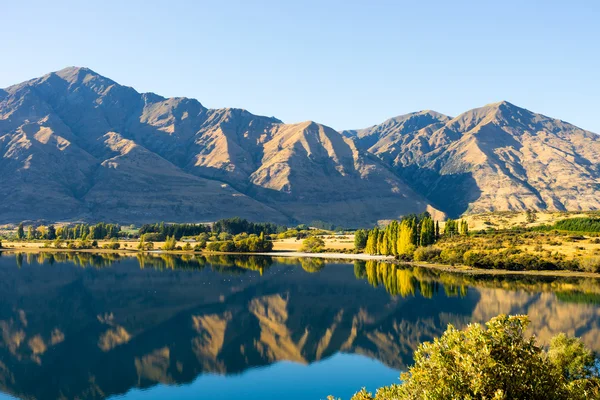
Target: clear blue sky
{"x": 347, "y": 64}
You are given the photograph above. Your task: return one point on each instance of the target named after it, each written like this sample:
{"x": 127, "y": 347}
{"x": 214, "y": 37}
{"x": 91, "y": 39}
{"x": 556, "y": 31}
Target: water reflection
{"x": 92, "y": 325}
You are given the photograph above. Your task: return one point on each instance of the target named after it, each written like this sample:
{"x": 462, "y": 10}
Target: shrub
{"x": 496, "y": 361}
{"x": 452, "y": 256}
{"x": 170, "y": 243}
{"x": 112, "y": 245}
{"x": 145, "y": 246}
{"x": 227, "y": 246}
{"x": 590, "y": 263}
{"x": 213, "y": 246}
{"x": 312, "y": 244}
{"x": 429, "y": 254}
{"x": 475, "y": 259}
{"x": 187, "y": 247}
{"x": 223, "y": 236}
{"x": 202, "y": 237}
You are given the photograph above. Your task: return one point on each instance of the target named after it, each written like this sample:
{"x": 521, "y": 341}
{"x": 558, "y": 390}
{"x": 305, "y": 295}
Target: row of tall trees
{"x": 233, "y": 226}
{"x": 237, "y": 225}
{"x": 174, "y": 230}
{"x": 456, "y": 227}
{"x": 404, "y": 236}
{"x": 79, "y": 231}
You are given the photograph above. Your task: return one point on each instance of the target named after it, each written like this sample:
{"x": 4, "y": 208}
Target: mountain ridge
{"x": 502, "y": 156}
{"x": 235, "y": 162}
{"x": 63, "y": 136}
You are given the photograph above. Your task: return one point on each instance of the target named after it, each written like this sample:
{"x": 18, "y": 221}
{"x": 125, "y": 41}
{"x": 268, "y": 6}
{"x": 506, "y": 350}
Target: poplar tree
{"x": 385, "y": 249}
{"x": 20, "y": 232}
{"x": 427, "y": 236}
{"x": 380, "y": 235}
{"x": 406, "y": 237}
{"x": 450, "y": 228}
{"x": 30, "y": 233}
{"x": 393, "y": 238}
{"x": 371, "y": 247}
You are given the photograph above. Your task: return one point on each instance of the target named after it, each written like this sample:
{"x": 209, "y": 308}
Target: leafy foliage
{"x": 175, "y": 230}
{"x": 402, "y": 238}
{"x": 251, "y": 244}
{"x": 360, "y": 239}
{"x": 496, "y": 361}
{"x": 237, "y": 225}
{"x": 312, "y": 244}
{"x": 170, "y": 243}
{"x": 581, "y": 224}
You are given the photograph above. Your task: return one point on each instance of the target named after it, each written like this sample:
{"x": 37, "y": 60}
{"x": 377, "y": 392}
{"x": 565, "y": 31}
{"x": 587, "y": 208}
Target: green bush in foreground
{"x": 496, "y": 361}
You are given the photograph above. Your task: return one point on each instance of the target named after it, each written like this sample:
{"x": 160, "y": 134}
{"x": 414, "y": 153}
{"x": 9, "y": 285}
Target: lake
{"x": 162, "y": 326}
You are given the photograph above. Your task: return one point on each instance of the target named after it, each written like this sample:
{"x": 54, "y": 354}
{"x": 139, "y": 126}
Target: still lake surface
{"x": 186, "y": 327}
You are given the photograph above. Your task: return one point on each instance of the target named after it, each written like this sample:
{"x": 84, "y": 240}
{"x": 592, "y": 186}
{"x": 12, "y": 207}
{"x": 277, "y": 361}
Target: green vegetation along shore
{"x": 567, "y": 244}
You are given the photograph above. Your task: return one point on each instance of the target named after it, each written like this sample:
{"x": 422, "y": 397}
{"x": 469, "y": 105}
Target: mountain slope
{"x": 497, "y": 157}
{"x": 77, "y": 145}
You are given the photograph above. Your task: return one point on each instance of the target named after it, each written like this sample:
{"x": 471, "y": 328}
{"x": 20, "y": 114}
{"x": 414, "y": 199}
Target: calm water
{"x": 156, "y": 327}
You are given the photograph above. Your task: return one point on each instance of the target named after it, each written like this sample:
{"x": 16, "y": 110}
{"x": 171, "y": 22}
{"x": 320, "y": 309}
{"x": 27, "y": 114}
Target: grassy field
{"x": 345, "y": 242}
{"x": 508, "y": 219}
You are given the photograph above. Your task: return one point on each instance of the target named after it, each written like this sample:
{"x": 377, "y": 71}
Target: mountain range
{"x": 78, "y": 146}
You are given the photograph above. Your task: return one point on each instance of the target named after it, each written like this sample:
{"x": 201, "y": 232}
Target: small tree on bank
{"x": 312, "y": 244}
{"x": 170, "y": 243}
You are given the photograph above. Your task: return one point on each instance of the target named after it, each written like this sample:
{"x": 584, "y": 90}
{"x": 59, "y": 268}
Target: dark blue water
{"x": 156, "y": 327}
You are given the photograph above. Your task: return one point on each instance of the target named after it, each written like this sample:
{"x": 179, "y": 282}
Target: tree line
{"x": 402, "y": 238}
{"x": 237, "y": 225}
{"x": 156, "y": 231}
{"x": 250, "y": 244}
{"x": 100, "y": 230}
{"x": 579, "y": 224}
{"x": 174, "y": 230}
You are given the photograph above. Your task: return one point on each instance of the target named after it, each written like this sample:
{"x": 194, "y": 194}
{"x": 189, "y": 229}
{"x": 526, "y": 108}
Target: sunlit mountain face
{"x": 93, "y": 326}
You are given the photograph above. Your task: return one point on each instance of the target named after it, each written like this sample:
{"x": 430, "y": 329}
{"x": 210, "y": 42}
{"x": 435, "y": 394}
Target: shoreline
{"x": 463, "y": 269}
{"x": 460, "y": 269}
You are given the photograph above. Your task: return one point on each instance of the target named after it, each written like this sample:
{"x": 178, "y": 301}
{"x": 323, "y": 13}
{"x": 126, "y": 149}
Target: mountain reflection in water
{"x": 84, "y": 325}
